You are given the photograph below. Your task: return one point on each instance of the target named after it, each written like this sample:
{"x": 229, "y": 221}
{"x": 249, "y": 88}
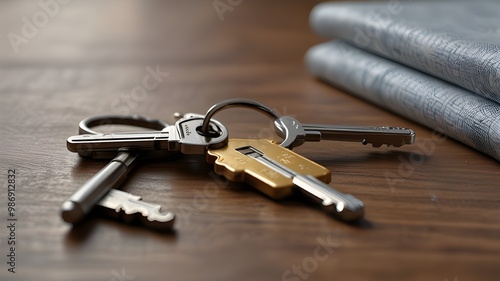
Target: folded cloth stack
{"x": 436, "y": 63}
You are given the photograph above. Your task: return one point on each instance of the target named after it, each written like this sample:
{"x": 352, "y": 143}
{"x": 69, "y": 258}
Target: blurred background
{"x": 111, "y": 32}
{"x": 67, "y": 52}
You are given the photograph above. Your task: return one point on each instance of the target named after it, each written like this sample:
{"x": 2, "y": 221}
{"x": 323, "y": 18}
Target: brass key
{"x": 277, "y": 172}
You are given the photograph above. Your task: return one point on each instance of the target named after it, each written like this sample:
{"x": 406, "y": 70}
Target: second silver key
{"x": 297, "y": 133}
{"x": 182, "y": 137}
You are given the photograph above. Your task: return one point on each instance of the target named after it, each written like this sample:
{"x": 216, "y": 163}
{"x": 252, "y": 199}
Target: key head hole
{"x": 211, "y": 133}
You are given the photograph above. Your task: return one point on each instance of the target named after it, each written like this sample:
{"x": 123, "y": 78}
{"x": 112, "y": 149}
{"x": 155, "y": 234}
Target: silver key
{"x": 344, "y": 206}
{"x": 297, "y": 133}
{"x": 182, "y": 136}
{"x": 112, "y": 175}
{"x": 130, "y": 208}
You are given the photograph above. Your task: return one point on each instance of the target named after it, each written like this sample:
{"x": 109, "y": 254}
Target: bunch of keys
{"x": 272, "y": 168}
{"x": 100, "y": 191}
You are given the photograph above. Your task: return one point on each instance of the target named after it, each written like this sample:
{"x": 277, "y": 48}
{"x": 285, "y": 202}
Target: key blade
{"x": 154, "y": 140}
{"x": 344, "y": 206}
{"x": 129, "y": 207}
{"x": 377, "y": 136}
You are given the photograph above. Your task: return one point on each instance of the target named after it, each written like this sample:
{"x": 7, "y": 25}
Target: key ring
{"x": 129, "y": 120}
{"x": 204, "y": 129}
{"x": 84, "y": 127}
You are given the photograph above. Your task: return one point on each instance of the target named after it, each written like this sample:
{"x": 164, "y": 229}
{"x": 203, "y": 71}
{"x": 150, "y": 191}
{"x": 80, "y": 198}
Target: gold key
{"x": 277, "y": 172}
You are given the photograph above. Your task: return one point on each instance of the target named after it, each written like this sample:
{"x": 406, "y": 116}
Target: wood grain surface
{"x": 432, "y": 208}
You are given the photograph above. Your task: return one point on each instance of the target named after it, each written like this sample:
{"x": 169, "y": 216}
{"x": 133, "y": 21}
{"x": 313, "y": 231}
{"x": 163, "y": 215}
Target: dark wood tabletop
{"x": 432, "y": 208}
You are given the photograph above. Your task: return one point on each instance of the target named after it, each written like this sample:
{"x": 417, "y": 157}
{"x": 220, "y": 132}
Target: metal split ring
{"x": 204, "y": 129}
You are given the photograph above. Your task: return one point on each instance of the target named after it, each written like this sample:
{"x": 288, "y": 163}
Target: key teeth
{"x": 374, "y": 144}
{"x": 351, "y": 212}
{"x": 377, "y": 145}
{"x": 160, "y": 221}
{"x": 163, "y": 221}
{"x": 130, "y": 208}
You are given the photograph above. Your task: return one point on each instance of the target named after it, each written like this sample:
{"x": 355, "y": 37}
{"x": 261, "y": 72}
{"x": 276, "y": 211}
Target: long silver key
{"x": 297, "y": 133}
{"x": 277, "y": 172}
{"x": 130, "y": 208}
{"x": 181, "y": 137}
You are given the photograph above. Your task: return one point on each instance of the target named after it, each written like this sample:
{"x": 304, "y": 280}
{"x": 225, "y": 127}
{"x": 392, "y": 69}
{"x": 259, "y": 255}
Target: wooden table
{"x": 432, "y": 208}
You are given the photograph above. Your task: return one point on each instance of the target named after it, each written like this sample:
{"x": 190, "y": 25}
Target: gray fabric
{"x": 458, "y": 41}
{"x": 449, "y": 109}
